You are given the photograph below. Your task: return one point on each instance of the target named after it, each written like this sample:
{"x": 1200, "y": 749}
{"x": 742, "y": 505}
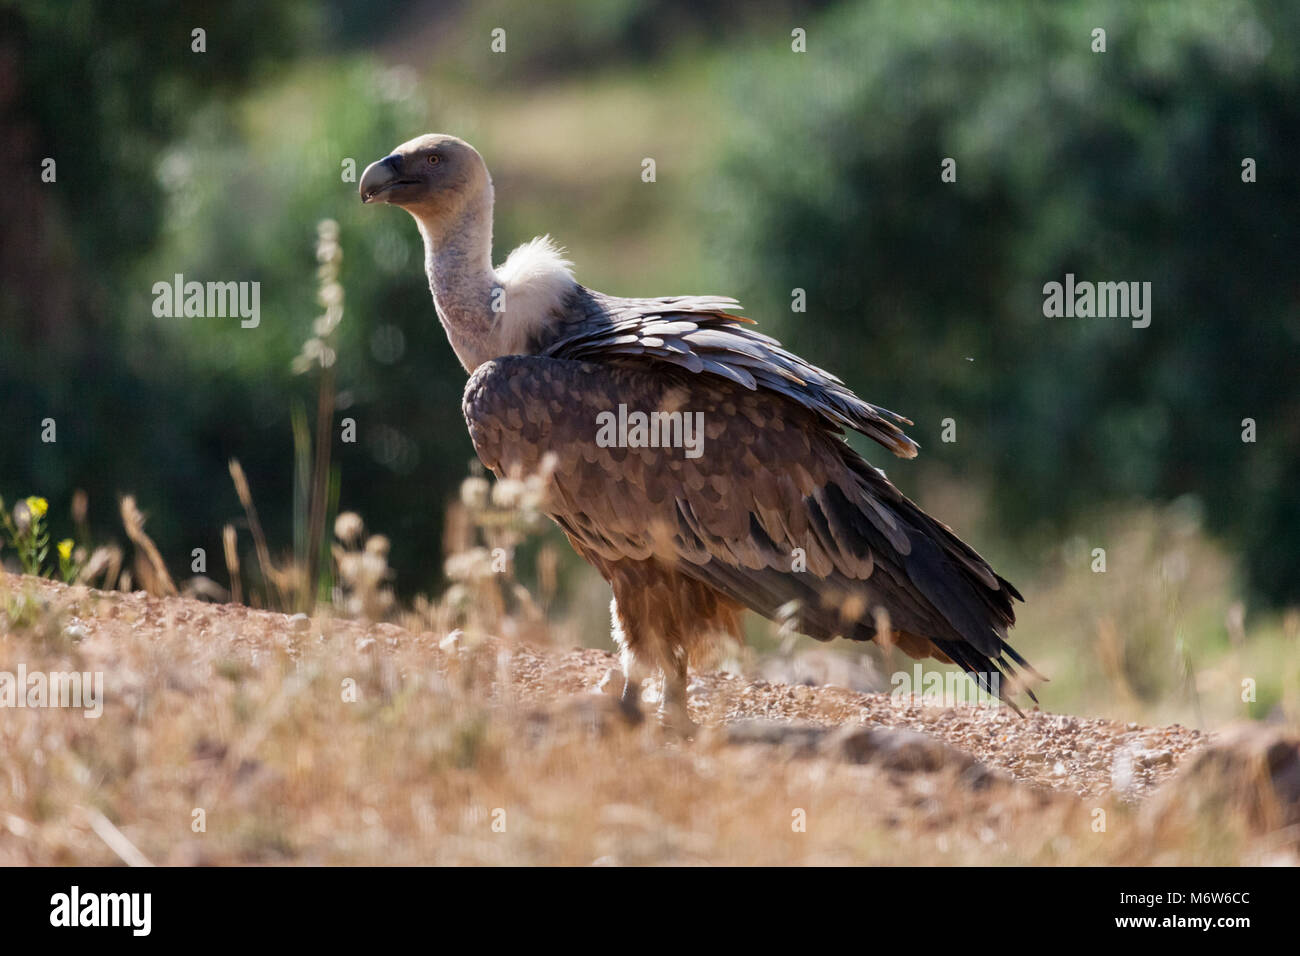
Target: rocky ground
{"x": 1083, "y": 756}
{"x": 318, "y": 740}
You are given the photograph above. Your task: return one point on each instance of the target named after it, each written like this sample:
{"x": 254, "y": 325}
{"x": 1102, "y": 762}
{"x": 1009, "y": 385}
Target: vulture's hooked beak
{"x": 382, "y": 176}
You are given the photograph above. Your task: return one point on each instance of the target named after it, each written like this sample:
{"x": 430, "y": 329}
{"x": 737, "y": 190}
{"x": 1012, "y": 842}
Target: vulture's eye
{"x": 434, "y": 159}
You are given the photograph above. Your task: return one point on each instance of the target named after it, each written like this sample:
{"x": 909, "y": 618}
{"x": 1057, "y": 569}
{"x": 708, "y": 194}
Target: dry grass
{"x": 471, "y": 730}
{"x": 1162, "y": 634}
{"x": 474, "y": 750}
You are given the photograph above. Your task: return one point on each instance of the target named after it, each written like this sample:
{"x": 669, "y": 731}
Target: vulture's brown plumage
{"x": 774, "y": 511}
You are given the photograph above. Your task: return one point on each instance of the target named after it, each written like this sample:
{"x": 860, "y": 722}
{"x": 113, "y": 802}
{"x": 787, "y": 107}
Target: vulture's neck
{"x": 459, "y": 266}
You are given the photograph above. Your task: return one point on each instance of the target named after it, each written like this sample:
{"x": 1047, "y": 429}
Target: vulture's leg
{"x": 673, "y": 712}
{"x": 661, "y": 619}
{"x": 625, "y": 635}
{"x": 630, "y": 699}
{"x": 647, "y": 645}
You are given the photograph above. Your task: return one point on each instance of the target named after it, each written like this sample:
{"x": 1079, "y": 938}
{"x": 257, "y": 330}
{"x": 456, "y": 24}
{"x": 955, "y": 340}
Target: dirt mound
{"x": 319, "y": 740}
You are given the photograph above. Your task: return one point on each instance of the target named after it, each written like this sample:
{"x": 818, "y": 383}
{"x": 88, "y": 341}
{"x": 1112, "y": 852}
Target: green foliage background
{"x": 776, "y": 170}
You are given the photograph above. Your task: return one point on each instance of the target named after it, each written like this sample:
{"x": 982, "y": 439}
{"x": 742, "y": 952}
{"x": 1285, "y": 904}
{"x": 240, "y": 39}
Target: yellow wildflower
{"x": 37, "y": 506}
{"x": 65, "y": 549}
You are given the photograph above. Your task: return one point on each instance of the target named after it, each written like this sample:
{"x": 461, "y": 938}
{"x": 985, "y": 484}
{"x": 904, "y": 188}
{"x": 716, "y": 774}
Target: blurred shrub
{"x": 102, "y": 88}
{"x": 1136, "y": 617}
{"x": 574, "y": 37}
{"x": 926, "y": 296}
{"x": 1123, "y": 165}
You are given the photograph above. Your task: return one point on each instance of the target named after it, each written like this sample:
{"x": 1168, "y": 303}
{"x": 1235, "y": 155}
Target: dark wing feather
{"x": 699, "y": 334}
{"x": 773, "y": 477}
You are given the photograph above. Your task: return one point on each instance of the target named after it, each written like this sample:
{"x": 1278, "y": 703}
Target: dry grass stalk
{"x": 151, "y": 569}
{"x": 269, "y": 573}
{"x": 230, "y": 544}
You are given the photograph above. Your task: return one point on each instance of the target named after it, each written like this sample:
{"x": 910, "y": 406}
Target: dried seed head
{"x": 348, "y": 527}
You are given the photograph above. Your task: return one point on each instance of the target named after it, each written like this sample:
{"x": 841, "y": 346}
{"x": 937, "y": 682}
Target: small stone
{"x": 799, "y": 737}
{"x": 611, "y": 683}
{"x": 1155, "y": 758}
{"x": 894, "y": 749}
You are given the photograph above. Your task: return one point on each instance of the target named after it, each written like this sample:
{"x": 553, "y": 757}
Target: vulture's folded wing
{"x": 699, "y": 334}
{"x": 773, "y": 508}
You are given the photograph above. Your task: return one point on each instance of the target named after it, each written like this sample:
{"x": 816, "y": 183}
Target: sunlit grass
{"x": 253, "y": 738}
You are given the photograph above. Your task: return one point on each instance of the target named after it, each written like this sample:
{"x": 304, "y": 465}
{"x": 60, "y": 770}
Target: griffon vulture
{"x": 751, "y": 497}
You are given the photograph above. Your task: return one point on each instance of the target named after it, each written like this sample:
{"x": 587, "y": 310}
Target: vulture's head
{"x": 433, "y": 177}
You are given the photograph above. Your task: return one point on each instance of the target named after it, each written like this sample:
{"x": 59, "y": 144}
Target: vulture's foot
{"x": 629, "y": 702}
{"x": 677, "y": 721}
{"x": 629, "y": 705}
{"x": 673, "y": 713}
